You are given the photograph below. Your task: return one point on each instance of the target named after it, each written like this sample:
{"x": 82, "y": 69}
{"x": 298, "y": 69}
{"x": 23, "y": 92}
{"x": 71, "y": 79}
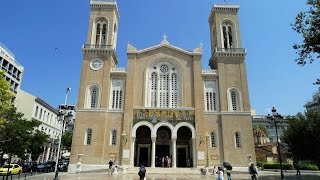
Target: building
{"x": 35, "y": 108}
{"x": 263, "y": 121}
{"x": 11, "y": 67}
{"x": 163, "y": 103}
{"x": 314, "y": 104}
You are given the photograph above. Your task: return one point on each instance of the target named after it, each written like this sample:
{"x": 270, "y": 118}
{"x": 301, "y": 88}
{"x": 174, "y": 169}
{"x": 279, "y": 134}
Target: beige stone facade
{"x": 163, "y": 104}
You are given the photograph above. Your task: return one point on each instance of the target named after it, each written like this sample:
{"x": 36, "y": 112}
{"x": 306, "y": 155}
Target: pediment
{"x": 164, "y": 45}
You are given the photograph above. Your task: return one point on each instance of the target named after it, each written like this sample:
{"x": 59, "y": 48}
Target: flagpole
{"x": 67, "y": 92}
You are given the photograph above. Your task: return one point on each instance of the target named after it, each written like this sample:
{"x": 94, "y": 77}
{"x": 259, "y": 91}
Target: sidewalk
{"x": 264, "y": 175}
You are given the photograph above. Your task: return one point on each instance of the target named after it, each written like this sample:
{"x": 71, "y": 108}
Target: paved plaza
{"x": 235, "y": 176}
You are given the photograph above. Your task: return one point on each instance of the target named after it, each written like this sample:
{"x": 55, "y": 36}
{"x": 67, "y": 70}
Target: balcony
{"x": 123, "y": 70}
{"x": 102, "y": 1}
{"x": 97, "y": 46}
{"x": 210, "y": 72}
{"x": 230, "y": 50}
{"x": 118, "y": 72}
{"x": 172, "y": 116}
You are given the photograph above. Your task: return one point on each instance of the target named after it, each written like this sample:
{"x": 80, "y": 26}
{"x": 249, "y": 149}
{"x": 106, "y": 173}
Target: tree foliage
{"x": 307, "y": 24}
{"x": 5, "y": 97}
{"x": 17, "y": 134}
{"x": 302, "y": 136}
{"x": 66, "y": 140}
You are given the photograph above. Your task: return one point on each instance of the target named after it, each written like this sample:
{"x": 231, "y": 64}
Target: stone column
{"x": 174, "y": 152}
{"x": 133, "y": 141}
{"x": 194, "y": 160}
{"x": 48, "y": 153}
{"x": 153, "y": 154}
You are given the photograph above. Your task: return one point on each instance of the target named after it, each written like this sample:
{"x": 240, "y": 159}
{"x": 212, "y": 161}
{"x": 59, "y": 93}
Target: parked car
{"x": 51, "y": 165}
{"x": 27, "y": 167}
{"x": 42, "y": 167}
{"x": 13, "y": 169}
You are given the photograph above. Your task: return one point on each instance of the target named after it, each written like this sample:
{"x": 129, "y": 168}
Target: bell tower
{"x": 228, "y": 57}
{"x": 99, "y": 58}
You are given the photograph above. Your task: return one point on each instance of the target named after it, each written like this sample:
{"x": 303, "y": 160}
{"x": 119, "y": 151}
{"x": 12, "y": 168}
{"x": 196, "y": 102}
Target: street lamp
{"x": 63, "y": 118}
{"x": 275, "y": 120}
{"x": 207, "y": 149}
{"x": 124, "y": 141}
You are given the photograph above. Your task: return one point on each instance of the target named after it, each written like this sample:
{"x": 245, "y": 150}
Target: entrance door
{"x": 182, "y": 157}
{"x": 161, "y": 151}
{"x": 143, "y": 156}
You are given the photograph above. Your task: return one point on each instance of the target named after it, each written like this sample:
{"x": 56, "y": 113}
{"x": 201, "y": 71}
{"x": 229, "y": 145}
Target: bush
{"x": 309, "y": 166}
{"x": 285, "y": 166}
{"x": 260, "y": 164}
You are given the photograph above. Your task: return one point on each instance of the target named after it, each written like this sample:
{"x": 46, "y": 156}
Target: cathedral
{"x": 163, "y": 104}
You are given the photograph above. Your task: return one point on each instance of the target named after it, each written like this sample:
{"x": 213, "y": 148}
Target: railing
{"x": 102, "y": 1}
{"x": 97, "y": 46}
{"x": 210, "y": 71}
{"x": 233, "y": 50}
{"x": 171, "y": 116}
{"x": 118, "y": 70}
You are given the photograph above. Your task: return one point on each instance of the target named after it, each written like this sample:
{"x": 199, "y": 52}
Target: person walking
{"x": 253, "y": 171}
{"x": 162, "y": 161}
{"x": 220, "y": 173}
{"x": 229, "y": 174}
{"x": 297, "y": 166}
{"x": 110, "y": 166}
{"x": 142, "y": 172}
{"x": 168, "y": 162}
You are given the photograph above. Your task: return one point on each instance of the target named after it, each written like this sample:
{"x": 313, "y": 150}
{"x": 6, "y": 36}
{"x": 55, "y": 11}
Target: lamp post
{"x": 275, "y": 120}
{"x": 124, "y": 141}
{"x": 63, "y": 118}
{"x": 207, "y": 149}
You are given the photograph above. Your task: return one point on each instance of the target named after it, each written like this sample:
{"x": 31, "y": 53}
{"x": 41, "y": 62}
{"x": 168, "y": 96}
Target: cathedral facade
{"x": 163, "y": 104}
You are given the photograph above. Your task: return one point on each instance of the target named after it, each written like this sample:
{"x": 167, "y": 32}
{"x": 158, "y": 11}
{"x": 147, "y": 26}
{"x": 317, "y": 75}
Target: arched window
{"x": 164, "y": 89}
{"x": 88, "y": 136}
{"x": 213, "y": 139}
{"x": 113, "y": 135}
{"x": 234, "y": 100}
{"x": 92, "y": 97}
{"x": 237, "y": 139}
{"x": 227, "y": 35}
{"x": 210, "y": 96}
{"x": 101, "y": 32}
{"x": 117, "y": 94}
{"x": 40, "y": 115}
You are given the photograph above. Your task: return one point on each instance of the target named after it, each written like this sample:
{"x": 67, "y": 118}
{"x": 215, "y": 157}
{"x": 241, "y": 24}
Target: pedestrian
{"x": 253, "y": 171}
{"x": 220, "y": 173}
{"x": 215, "y": 172}
{"x": 297, "y": 166}
{"x": 168, "y": 162}
{"x": 162, "y": 161}
{"x": 142, "y": 172}
{"x": 229, "y": 174}
{"x": 110, "y": 166}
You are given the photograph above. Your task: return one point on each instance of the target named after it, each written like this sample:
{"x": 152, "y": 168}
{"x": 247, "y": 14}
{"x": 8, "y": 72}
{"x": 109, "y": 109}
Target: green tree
{"x": 302, "y": 136}
{"x": 36, "y": 144}
{"x": 16, "y": 133}
{"x": 307, "y": 24}
{"x": 67, "y": 140}
{"x": 259, "y": 132}
{"x": 6, "y": 97}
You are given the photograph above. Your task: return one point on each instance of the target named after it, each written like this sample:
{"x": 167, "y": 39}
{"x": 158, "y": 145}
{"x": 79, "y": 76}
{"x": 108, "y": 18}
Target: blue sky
{"x": 46, "y": 38}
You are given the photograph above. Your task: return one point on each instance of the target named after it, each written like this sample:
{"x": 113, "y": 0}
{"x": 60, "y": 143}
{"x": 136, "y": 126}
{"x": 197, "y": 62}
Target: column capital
{"x": 173, "y": 139}
{"x": 133, "y": 139}
{"x": 153, "y": 139}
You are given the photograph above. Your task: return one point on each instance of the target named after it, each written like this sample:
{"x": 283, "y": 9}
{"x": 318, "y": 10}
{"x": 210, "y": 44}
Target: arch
{"x": 169, "y": 77}
{"x": 224, "y": 23}
{"x": 94, "y": 31}
{"x": 234, "y": 102}
{"x": 176, "y": 128}
{"x": 157, "y": 126}
{"x": 142, "y": 123}
{"x": 87, "y": 103}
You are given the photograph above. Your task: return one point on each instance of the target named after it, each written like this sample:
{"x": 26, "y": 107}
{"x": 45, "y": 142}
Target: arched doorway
{"x": 184, "y": 147}
{"x": 143, "y": 146}
{"x": 163, "y": 145}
